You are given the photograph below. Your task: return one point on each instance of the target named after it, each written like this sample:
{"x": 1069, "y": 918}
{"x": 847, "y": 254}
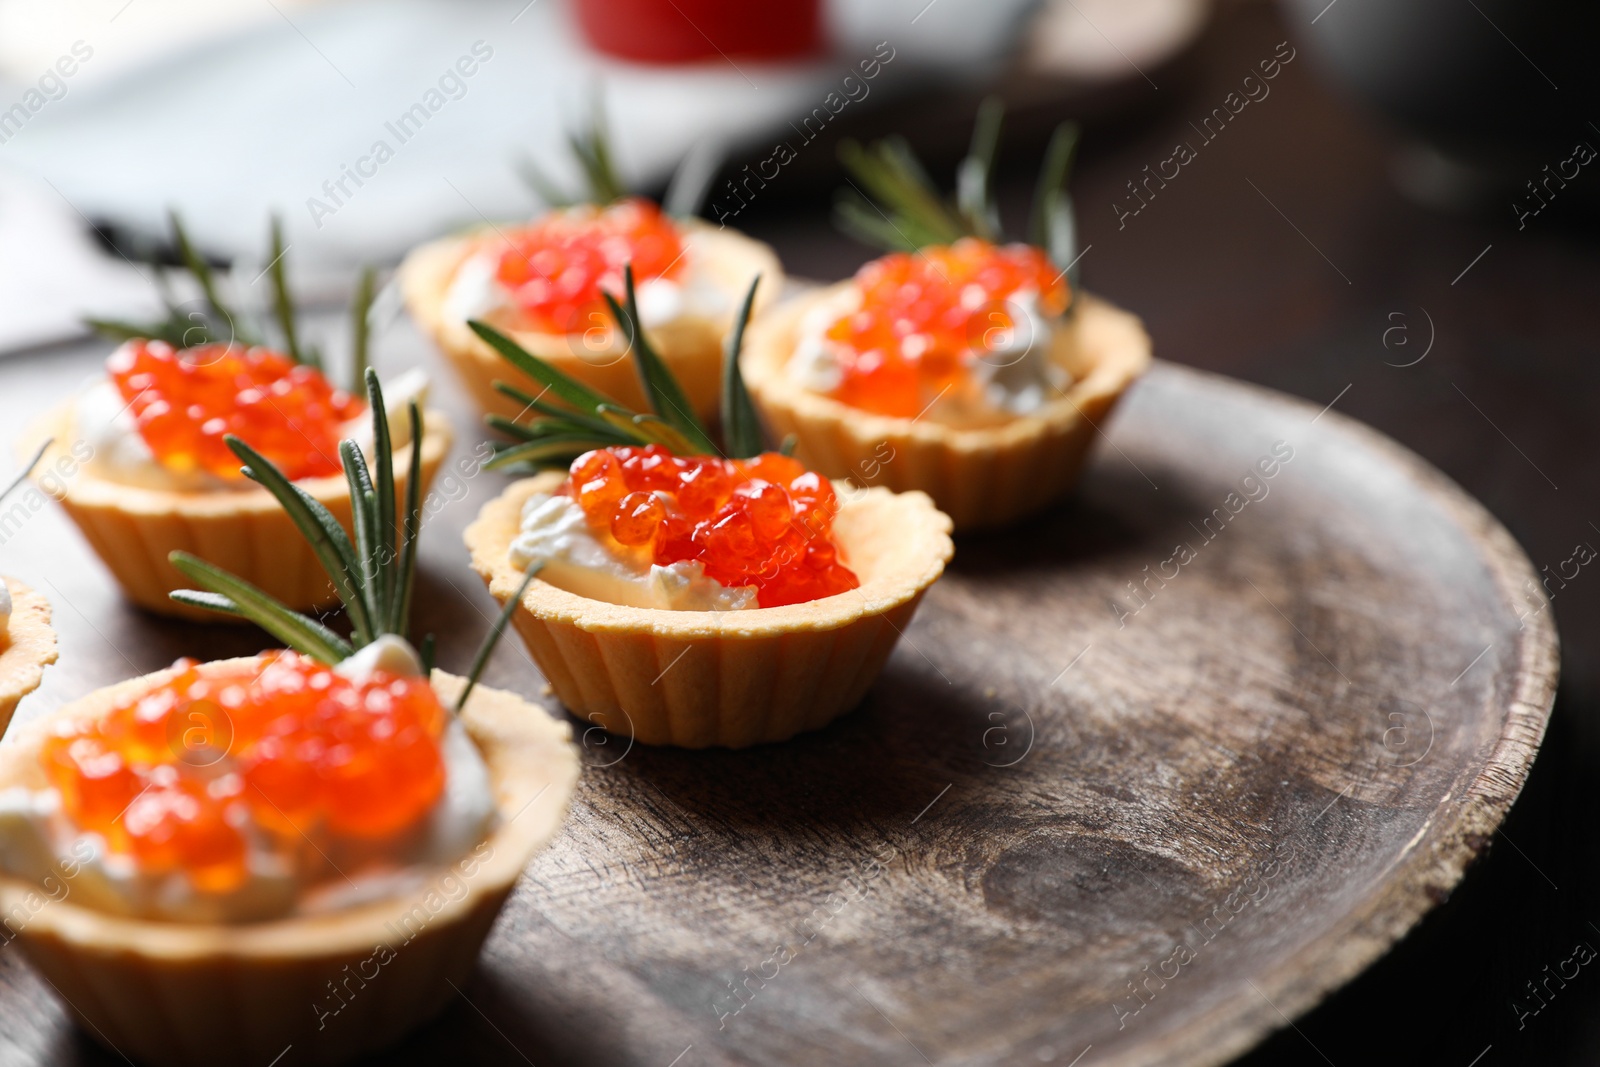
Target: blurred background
{"x": 1390, "y": 207}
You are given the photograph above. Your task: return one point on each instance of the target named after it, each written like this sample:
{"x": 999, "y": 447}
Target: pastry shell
{"x": 189, "y": 994}
{"x": 984, "y": 477}
{"x": 27, "y": 647}
{"x": 691, "y": 346}
{"x": 245, "y": 531}
{"x": 700, "y": 678}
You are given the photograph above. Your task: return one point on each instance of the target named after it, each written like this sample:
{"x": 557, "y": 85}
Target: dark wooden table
{"x": 1285, "y": 255}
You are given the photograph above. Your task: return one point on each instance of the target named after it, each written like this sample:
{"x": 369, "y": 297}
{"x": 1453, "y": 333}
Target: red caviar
{"x": 185, "y": 402}
{"x": 924, "y": 316}
{"x": 557, "y": 268}
{"x": 177, "y": 776}
{"x": 766, "y": 521}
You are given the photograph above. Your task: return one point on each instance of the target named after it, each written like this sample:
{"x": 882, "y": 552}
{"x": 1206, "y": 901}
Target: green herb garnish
{"x": 215, "y": 322}
{"x": 591, "y": 147}
{"x": 892, "y": 203}
{"x": 602, "y": 185}
{"x": 373, "y": 575}
{"x": 570, "y": 418}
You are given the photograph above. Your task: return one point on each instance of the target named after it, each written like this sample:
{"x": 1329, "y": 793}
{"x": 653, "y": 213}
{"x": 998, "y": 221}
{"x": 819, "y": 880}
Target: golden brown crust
{"x": 691, "y": 348}
{"x": 244, "y": 531}
{"x": 190, "y": 994}
{"x": 27, "y": 647}
{"x": 981, "y": 477}
{"x": 735, "y": 678}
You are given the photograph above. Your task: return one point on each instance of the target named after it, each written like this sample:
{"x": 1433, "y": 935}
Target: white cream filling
{"x": 105, "y": 422}
{"x": 1013, "y": 369}
{"x": 556, "y": 532}
{"x": 476, "y": 292}
{"x": 5, "y": 606}
{"x": 38, "y": 844}
{"x": 815, "y": 363}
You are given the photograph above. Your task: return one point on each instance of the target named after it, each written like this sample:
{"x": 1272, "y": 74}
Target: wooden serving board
{"x": 1087, "y": 816}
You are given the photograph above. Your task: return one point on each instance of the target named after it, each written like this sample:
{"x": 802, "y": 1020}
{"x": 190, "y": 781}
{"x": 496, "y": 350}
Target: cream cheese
{"x": 556, "y": 532}
{"x": 1015, "y": 369}
{"x": 40, "y": 845}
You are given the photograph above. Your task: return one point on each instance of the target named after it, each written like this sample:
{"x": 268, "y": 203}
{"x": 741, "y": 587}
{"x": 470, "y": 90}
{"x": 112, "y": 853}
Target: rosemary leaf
{"x": 915, "y": 189}
{"x": 481, "y": 660}
{"x": 567, "y": 389}
{"x": 532, "y": 403}
{"x": 974, "y": 195}
{"x": 1061, "y": 238}
{"x": 282, "y": 301}
{"x": 400, "y": 617}
{"x": 364, "y": 520}
{"x": 741, "y": 426}
{"x": 691, "y": 181}
{"x": 646, "y": 428}
{"x": 320, "y": 529}
{"x": 197, "y": 266}
{"x": 551, "y": 453}
{"x": 299, "y": 632}
{"x": 361, "y": 329}
{"x": 209, "y": 601}
{"x": 666, "y": 395}
{"x": 855, "y": 215}
{"x": 383, "y": 480}
{"x": 1053, "y": 174}
{"x": 120, "y": 330}
{"x": 604, "y": 182}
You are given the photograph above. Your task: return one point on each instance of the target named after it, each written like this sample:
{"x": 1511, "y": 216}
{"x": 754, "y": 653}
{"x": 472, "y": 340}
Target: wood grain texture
{"x": 1280, "y": 761}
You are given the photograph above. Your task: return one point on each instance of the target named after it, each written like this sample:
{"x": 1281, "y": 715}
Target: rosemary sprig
{"x": 901, "y": 194}
{"x": 373, "y": 575}
{"x": 183, "y": 328}
{"x": 575, "y": 418}
{"x": 197, "y": 266}
{"x": 591, "y": 148}
{"x": 894, "y": 205}
{"x": 283, "y": 304}
{"x": 217, "y": 323}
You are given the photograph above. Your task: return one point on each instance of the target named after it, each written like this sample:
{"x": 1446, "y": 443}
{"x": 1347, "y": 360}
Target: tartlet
{"x": 542, "y": 282}
{"x": 961, "y": 364}
{"x": 736, "y": 678}
{"x": 27, "y": 643}
{"x": 800, "y": 587}
{"x": 180, "y": 994}
{"x": 27, "y": 647}
{"x": 981, "y": 476}
{"x": 691, "y": 345}
{"x": 139, "y": 461}
{"x": 134, "y": 530}
{"x": 159, "y": 839}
